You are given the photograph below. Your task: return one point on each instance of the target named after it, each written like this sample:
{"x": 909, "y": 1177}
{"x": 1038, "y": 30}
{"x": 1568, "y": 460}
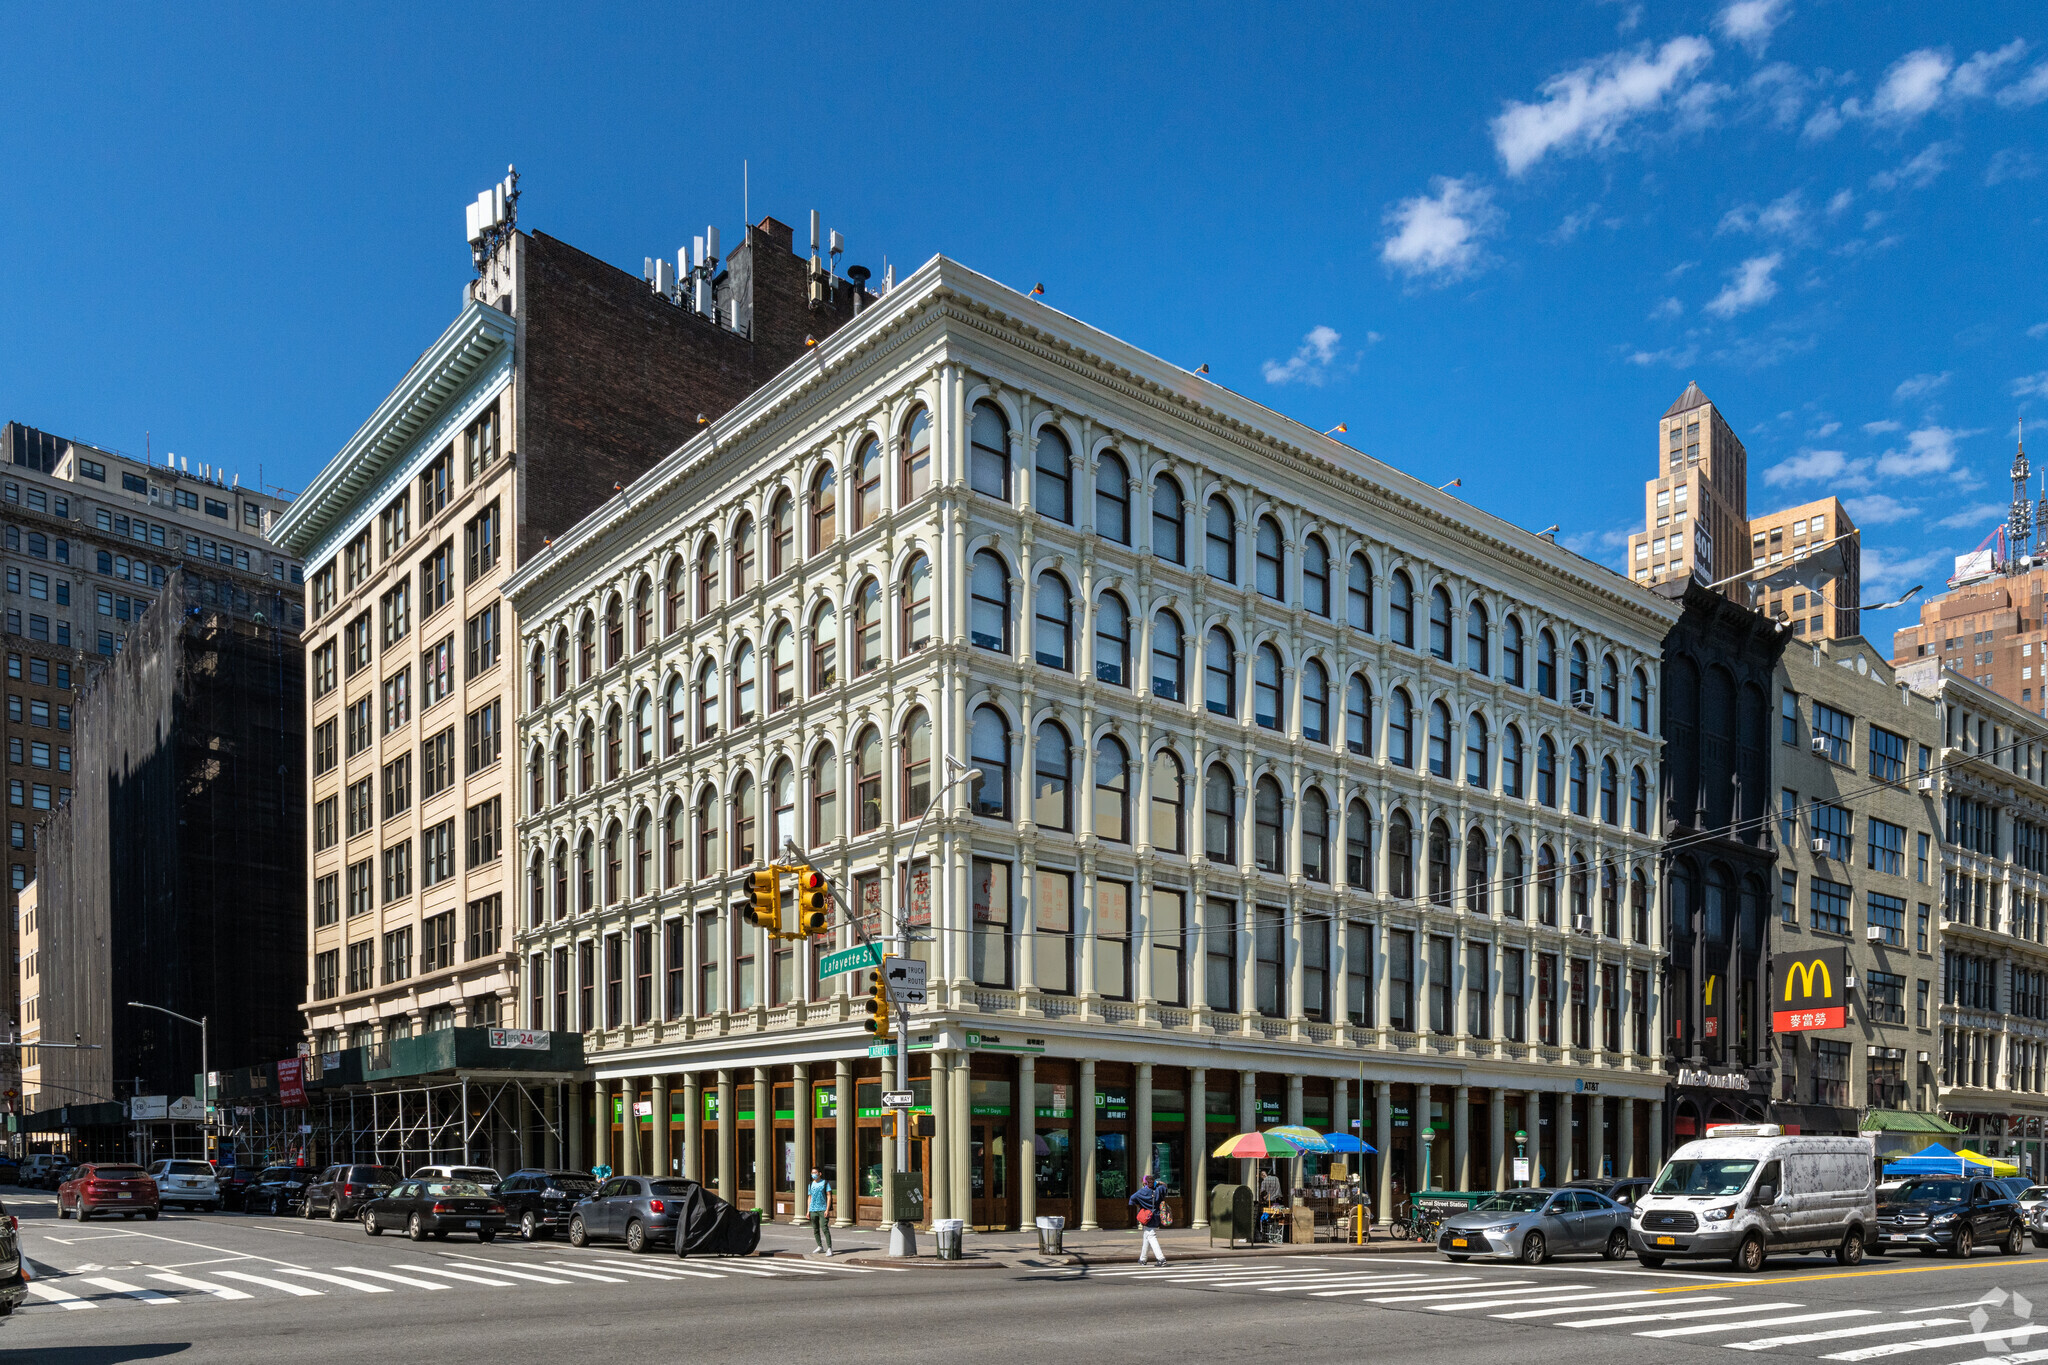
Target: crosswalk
{"x": 1995, "y": 1325}
{"x": 52, "y": 1290}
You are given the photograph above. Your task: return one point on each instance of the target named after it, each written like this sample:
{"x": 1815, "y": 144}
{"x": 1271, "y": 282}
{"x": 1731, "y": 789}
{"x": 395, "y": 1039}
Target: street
{"x": 229, "y": 1288}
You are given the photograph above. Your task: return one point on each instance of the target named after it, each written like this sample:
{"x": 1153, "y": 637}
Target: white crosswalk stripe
{"x": 445, "y": 1273}
{"x": 2018, "y": 1335}
{"x": 1375, "y": 1289}
{"x": 1518, "y": 1297}
{"x": 497, "y": 1269}
{"x": 1711, "y": 1327}
{"x": 1682, "y": 1313}
{"x": 363, "y": 1286}
{"x": 148, "y": 1296}
{"x": 296, "y": 1290}
{"x": 219, "y": 1291}
{"x": 659, "y": 1271}
{"x": 409, "y": 1280}
{"x": 1863, "y": 1330}
{"x": 49, "y": 1293}
{"x": 2016, "y": 1358}
{"x": 1652, "y": 1299}
{"x": 560, "y": 1269}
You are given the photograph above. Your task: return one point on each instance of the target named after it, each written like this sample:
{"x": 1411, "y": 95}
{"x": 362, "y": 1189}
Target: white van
{"x": 1747, "y": 1191}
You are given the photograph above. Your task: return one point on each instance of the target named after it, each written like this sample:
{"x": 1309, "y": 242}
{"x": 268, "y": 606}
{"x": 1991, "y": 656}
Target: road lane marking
{"x": 1761, "y": 1322}
{"x": 1840, "y": 1275}
{"x": 643, "y": 1274}
{"x": 663, "y": 1272}
{"x": 297, "y": 1289}
{"x": 561, "y": 1269}
{"x": 219, "y": 1291}
{"x": 497, "y": 1269}
{"x": 2018, "y": 1333}
{"x": 1278, "y": 1285}
{"x": 148, "y": 1296}
{"x": 1868, "y": 1329}
{"x": 395, "y": 1279}
{"x": 2017, "y": 1358}
{"x": 1684, "y": 1313}
{"x": 1606, "y": 1307}
{"x": 51, "y": 1294}
{"x": 364, "y": 1285}
{"x": 731, "y": 1268}
{"x": 1519, "y": 1298}
{"x": 445, "y": 1273}
{"x": 1337, "y": 1293}
{"x": 1437, "y": 1294}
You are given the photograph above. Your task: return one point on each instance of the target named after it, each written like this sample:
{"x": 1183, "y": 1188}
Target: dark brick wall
{"x": 612, "y": 377}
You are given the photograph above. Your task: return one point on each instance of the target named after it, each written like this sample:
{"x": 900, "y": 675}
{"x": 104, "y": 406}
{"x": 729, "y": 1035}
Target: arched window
{"x": 614, "y": 631}
{"x": 1052, "y": 633}
{"x": 988, "y": 748}
{"x": 1269, "y": 560}
{"x": 743, "y": 685}
{"x": 1546, "y": 885}
{"x": 781, "y": 666}
{"x": 672, "y": 596}
{"x": 1269, "y": 828}
{"x": 824, "y": 797}
{"x": 1610, "y": 901}
{"x": 1579, "y": 795}
{"x": 1610, "y": 792}
{"x": 1169, "y": 664}
{"x": 781, "y": 807}
{"x": 1052, "y": 804}
{"x": 1476, "y": 764}
{"x": 1315, "y": 703}
{"x": 1546, "y": 663}
{"x": 1358, "y": 595}
{"x": 561, "y": 661}
{"x": 1400, "y": 729}
{"x": 1112, "y": 641}
{"x": 561, "y": 765}
{"x": 745, "y": 566}
{"x": 1439, "y": 740}
{"x": 1169, "y": 532}
{"x": 1581, "y": 687}
{"x": 1111, "y": 818}
{"x": 1440, "y": 854}
{"x": 917, "y": 605}
{"x": 558, "y": 870}
{"x": 1358, "y": 715}
{"x": 614, "y": 745}
{"x": 1638, "y": 802}
{"x": 1478, "y": 884}
{"x": 707, "y": 700}
{"x": 586, "y": 874}
{"x": 1511, "y": 762}
{"x": 586, "y": 648}
{"x": 1582, "y": 910}
{"x": 1511, "y": 872}
{"x": 1639, "y": 701}
{"x": 916, "y": 445}
{"x": 988, "y": 606}
{"x": 643, "y": 614}
{"x": 867, "y": 780}
{"x": 1219, "y": 815}
{"x": 824, "y": 647}
{"x": 867, "y": 502}
{"x": 536, "y": 893}
{"x": 1475, "y": 637}
{"x": 1440, "y": 624}
{"x": 1168, "y": 804}
{"x": 707, "y": 579}
{"x": 1511, "y": 647}
{"x": 1219, "y": 673}
{"x": 708, "y": 862}
{"x": 1400, "y": 856}
{"x": 674, "y": 838}
{"x": 746, "y": 817}
{"x": 643, "y": 730}
{"x": 537, "y": 781}
{"x": 1546, "y": 772}
{"x": 1315, "y": 575}
{"x": 586, "y": 757}
{"x": 1315, "y": 835}
{"x": 917, "y": 765}
{"x": 867, "y": 628}
{"x": 1220, "y": 540}
{"x": 1051, "y": 491}
{"x": 824, "y": 507}
{"x": 988, "y": 454}
{"x": 1112, "y": 498}
{"x": 1358, "y": 846}
{"x": 1638, "y": 907}
{"x": 537, "y": 680}
{"x": 781, "y": 535}
{"x": 1401, "y": 609}
{"x": 1268, "y": 706}
{"x": 643, "y": 853}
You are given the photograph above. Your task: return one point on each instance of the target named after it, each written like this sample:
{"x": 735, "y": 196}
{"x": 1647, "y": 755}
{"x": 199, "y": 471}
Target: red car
{"x": 103, "y": 1187}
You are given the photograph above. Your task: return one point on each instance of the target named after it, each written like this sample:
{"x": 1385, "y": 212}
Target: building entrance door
{"x": 988, "y": 1175}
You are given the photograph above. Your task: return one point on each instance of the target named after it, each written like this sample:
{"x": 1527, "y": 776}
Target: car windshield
{"x": 1704, "y": 1177}
{"x": 375, "y": 1175}
{"x": 1933, "y": 1192}
{"x": 671, "y": 1187}
{"x": 187, "y": 1168}
{"x": 1512, "y": 1201}
{"x": 119, "y": 1172}
{"x": 2036, "y": 1192}
{"x": 477, "y": 1173}
{"x": 453, "y": 1189}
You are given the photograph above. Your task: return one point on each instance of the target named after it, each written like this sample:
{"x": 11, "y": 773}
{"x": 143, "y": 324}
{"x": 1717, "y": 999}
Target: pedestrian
{"x": 821, "y": 1211}
{"x": 1150, "y": 1202}
{"x": 1269, "y": 1188}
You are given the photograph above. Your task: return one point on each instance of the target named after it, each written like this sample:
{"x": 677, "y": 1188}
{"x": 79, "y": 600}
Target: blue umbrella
{"x": 1344, "y": 1142}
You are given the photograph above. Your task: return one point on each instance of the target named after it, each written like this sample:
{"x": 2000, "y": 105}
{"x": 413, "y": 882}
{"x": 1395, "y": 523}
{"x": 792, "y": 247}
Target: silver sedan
{"x": 1533, "y": 1225}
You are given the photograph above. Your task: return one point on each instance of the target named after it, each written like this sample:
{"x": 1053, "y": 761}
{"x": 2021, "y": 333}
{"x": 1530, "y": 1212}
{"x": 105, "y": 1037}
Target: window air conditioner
{"x": 1893, "y": 1054}
{"x": 1873, "y": 932}
{"x": 1924, "y": 1058}
{"x": 1820, "y": 848}
{"x": 1820, "y": 744}
{"x": 1582, "y": 700}
{"x": 1582, "y": 924}
{"x": 1871, "y": 1051}
{"x": 1848, "y": 981}
{"x": 1925, "y": 784}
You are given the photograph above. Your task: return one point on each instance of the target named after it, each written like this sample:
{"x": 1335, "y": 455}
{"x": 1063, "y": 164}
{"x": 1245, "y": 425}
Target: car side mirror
{"x": 1765, "y": 1195}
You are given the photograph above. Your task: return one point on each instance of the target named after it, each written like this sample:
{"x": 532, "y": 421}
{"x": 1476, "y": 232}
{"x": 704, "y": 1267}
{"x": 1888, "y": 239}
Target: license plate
{"x": 473, "y": 1223}
{"x": 1457, "y": 1241}
{"x": 1667, "y": 1241}
{"x": 1895, "y": 1236}
{"x": 125, "y": 1195}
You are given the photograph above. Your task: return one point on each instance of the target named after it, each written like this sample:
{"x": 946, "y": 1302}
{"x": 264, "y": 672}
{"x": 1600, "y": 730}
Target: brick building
{"x": 1834, "y": 612}
{"x": 1696, "y": 508}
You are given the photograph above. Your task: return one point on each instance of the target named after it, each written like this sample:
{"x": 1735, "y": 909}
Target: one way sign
{"x": 905, "y": 978}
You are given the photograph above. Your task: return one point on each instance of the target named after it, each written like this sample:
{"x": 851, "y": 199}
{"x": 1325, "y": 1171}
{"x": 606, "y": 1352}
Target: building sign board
{"x": 1809, "y": 990}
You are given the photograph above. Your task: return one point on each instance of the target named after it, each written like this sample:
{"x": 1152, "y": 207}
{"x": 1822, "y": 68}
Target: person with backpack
{"x": 1150, "y": 1202}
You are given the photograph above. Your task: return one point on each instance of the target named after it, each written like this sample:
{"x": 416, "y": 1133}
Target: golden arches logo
{"x": 1804, "y": 972}
{"x": 1709, "y": 1000}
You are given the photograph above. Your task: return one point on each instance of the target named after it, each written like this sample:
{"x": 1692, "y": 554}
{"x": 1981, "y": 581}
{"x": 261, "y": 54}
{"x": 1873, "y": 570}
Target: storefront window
{"x": 1112, "y": 1166}
{"x": 1053, "y": 1163}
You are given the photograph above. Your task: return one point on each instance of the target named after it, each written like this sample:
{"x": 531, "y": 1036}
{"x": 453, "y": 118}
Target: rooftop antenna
{"x": 746, "y": 195}
{"x": 2020, "y": 526}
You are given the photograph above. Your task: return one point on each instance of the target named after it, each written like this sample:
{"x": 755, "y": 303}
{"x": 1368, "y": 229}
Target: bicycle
{"x": 1415, "y": 1221}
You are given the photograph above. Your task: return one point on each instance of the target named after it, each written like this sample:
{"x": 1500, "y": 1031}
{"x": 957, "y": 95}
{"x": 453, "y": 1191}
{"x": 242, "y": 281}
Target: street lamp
{"x": 205, "y": 1076}
{"x": 1428, "y": 1140}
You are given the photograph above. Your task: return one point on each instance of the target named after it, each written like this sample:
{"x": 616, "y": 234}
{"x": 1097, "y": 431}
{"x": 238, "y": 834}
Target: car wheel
{"x": 415, "y": 1229}
{"x": 1963, "y": 1245}
{"x": 1617, "y": 1245}
{"x": 1850, "y": 1252}
{"x": 579, "y": 1236}
{"x": 1749, "y": 1257}
{"x": 2015, "y": 1242}
{"x": 1535, "y": 1250}
{"x": 529, "y": 1227}
{"x": 370, "y": 1224}
{"x": 149, "y": 1215}
{"x": 485, "y": 1235}
{"x": 636, "y": 1238}
{"x": 334, "y": 1214}
{"x": 1649, "y": 1262}
{"x": 2041, "y": 1241}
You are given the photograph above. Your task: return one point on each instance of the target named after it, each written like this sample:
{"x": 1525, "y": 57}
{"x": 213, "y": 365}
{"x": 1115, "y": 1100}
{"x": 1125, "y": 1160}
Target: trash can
{"x": 947, "y": 1231}
{"x": 1052, "y": 1233}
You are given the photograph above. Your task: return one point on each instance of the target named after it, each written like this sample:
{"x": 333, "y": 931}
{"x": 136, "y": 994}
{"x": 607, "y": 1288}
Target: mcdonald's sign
{"x": 1808, "y": 990}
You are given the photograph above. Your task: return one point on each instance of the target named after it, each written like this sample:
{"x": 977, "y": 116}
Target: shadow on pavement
{"x": 95, "y": 1355}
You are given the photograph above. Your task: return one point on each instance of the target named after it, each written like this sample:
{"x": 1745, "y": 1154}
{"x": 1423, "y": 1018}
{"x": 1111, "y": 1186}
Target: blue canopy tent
{"x": 1934, "y": 1159}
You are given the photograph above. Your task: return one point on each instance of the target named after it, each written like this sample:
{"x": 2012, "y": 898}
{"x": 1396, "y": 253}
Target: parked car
{"x": 45, "y": 1170}
{"x": 277, "y": 1189}
{"x": 539, "y": 1202}
{"x": 190, "y": 1183}
{"x": 2014, "y": 1185}
{"x": 341, "y": 1191}
{"x": 435, "y": 1207}
{"x": 1624, "y": 1190}
{"x": 13, "y": 1283}
{"x": 475, "y": 1175}
{"x": 234, "y": 1185}
{"x": 1955, "y": 1214}
{"x": 107, "y": 1187}
{"x": 1534, "y": 1225}
{"x": 10, "y": 1171}
{"x": 2031, "y": 1198}
{"x": 1750, "y": 1191}
{"x": 636, "y": 1209}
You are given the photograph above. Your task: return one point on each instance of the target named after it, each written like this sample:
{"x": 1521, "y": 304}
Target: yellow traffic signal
{"x": 878, "y": 1004}
{"x": 810, "y": 902}
{"x": 766, "y": 911}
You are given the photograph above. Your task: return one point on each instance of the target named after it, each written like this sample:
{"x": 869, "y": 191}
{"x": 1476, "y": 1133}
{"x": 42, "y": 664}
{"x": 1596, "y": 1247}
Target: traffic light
{"x": 810, "y": 902}
{"x": 766, "y": 911}
{"x": 878, "y": 1004}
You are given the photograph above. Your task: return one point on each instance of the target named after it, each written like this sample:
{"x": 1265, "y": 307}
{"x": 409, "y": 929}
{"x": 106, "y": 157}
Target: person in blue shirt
{"x": 821, "y": 1211}
{"x": 1149, "y": 1200}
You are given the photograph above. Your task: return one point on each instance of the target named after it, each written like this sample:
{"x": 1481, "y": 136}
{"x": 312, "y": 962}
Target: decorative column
{"x": 601, "y": 1092}
{"x": 728, "y": 1137}
{"x": 1461, "y": 1136}
{"x": 845, "y": 1176}
{"x": 693, "y": 1126}
{"x": 1497, "y": 1135}
{"x": 627, "y": 1159}
{"x": 1561, "y": 1136}
{"x": 1627, "y": 1136}
{"x": 1596, "y": 1134}
{"x": 525, "y": 1137}
{"x": 1198, "y": 1146}
{"x": 1142, "y": 1122}
{"x": 1248, "y": 1120}
{"x": 939, "y": 1156}
{"x": 800, "y": 1178}
{"x": 1656, "y": 1134}
{"x": 1293, "y": 1112}
{"x": 1428, "y": 1161}
{"x": 963, "y": 1138}
{"x": 764, "y": 1145}
{"x": 1087, "y": 1136}
{"x": 1383, "y": 1138}
{"x": 664, "y": 1164}
{"x": 1027, "y": 1142}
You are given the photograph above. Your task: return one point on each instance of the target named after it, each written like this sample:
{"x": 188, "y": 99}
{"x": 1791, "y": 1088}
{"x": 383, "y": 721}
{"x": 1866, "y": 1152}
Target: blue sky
{"x": 1495, "y": 240}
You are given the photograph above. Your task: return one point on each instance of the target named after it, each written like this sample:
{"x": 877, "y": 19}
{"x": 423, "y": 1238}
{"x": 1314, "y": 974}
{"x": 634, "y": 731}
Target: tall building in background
{"x": 1834, "y": 611}
{"x": 1696, "y": 510}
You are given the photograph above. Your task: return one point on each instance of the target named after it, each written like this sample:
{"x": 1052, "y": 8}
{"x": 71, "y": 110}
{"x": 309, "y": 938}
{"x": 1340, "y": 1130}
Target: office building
{"x": 1833, "y": 611}
{"x": 1696, "y": 508}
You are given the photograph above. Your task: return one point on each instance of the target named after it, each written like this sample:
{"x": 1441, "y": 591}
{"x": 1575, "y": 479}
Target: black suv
{"x": 341, "y": 1191}
{"x": 538, "y": 1202}
{"x": 279, "y": 1189}
{"x": 1955, "y": 1214}
{"x": 1624, "y": 1190}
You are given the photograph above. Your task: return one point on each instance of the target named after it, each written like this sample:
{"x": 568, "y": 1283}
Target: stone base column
{"x": 1656, "y": 1134}
{"x": 728, "y": 1137}
{"x": 664, "y": 1164}
{"x": 601, "y": 1091}
{"x": 693, "y": 1126}
{"x": 628, "y": 1157}
{"x": 800, "y": 1178}
{"x": 847, "y": 1178}
{"x": 1461, "y": 1136}
{"x": 1497, "y": 1135}
{"x": 1027, "y": 1142}
{"x": 577, "y": 1130}
{"x": 1087, "y": 1142}
{"x": 1383, "y": 1138}
{"x": 1596, "y": 1134}
{"x": 1198, "y": 1147}
{"x": 765, "y": 1155}
{"x": 1625, "y": 1135}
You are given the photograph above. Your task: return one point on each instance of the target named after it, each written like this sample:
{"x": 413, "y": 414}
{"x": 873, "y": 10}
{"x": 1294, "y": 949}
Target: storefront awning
{"x": 1905, "y": 1121}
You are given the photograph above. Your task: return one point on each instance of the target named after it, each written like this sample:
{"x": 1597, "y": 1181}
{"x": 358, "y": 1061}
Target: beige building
{"x": 1990, "y": 631}
{"x": 1834, "y": 612}
{"x": 1696, "y": 509}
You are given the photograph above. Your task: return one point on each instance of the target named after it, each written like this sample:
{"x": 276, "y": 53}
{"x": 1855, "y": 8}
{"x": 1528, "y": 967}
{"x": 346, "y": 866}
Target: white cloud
{"x": 1979, "y": 514}
{"x": 1783, "y": 217}
{"x": 2038, "y": 330}
{"x": 1780, "y": 89}
{"x": 1677, "y": 357}
{"x": 1923, "y": 80}
{"x": 1749, "y": 284}
{"x": 1588, "y": 105}
{"x": 1824, "y": 123}
{"x": 1973, "y": 78}
{"x": 1749, "y": 22}
{"x": 1810, "y": 465}
{"x": 2027, "y": 91}
{"x": 1880, "y": 427}
{"x": 1912, "y": 86}
{"x": 1439, "y": 235}
{"x": 2034, "y": 385}
{"x": 1930, "y": 450}
{"x": 1667, "y": 308}
{"x": 1311, "y": 362}
{"x": 1918, "y": 171}
{"x": 1919, "y": 386}
{"x": 1824, "y": 430}
{"x": 1886, "y": 572}
{"x": 2010, "y": 163}
{"x": 1840, "y": 202}
{"x": 1879, "y": 509}
{"x": 1575, "y": 223}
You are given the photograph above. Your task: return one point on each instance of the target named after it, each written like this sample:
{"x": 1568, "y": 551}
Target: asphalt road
{"x": 234, "y": 1290}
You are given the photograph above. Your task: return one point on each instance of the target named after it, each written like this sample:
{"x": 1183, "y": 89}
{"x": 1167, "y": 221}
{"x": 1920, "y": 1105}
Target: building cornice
{"x": 470, "y": 344}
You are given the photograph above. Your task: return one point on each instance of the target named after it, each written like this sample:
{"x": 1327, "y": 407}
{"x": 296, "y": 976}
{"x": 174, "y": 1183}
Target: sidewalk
{"x": 992, "y": 1250}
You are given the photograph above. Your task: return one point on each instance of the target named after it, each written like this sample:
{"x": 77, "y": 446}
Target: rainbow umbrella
{"x": 1304, "y": 1137}
{"x": 1258, "y": 1146}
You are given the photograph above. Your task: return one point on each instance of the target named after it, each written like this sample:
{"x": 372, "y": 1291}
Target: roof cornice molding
{"x": 436, "y": 379}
